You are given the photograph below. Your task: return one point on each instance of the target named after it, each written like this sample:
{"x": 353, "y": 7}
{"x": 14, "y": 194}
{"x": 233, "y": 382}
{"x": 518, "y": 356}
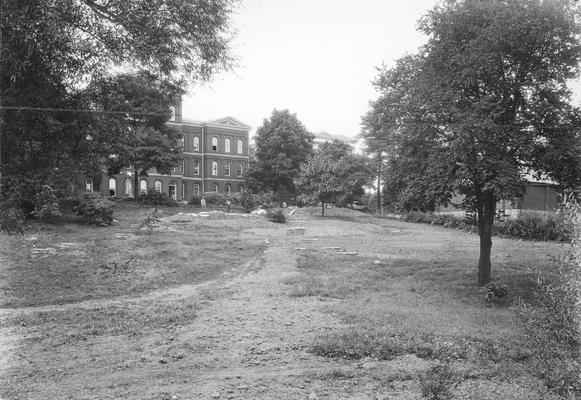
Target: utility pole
{"x": 379, "y": 162}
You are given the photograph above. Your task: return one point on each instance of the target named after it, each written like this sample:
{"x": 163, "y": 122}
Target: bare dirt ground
{"x": 240, "y": 334}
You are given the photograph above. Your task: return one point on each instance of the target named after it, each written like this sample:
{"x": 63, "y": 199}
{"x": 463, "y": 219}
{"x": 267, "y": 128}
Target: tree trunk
{"x": 322, "y": 208}
{"x": 486, "y": 208}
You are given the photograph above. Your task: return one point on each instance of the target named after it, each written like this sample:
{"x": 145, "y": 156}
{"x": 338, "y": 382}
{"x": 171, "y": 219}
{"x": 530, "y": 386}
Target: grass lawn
{"x": 232, "y": 306}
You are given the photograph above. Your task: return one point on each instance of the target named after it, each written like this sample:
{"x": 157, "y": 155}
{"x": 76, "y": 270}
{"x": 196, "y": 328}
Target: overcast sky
{"x": 316, "y": 58}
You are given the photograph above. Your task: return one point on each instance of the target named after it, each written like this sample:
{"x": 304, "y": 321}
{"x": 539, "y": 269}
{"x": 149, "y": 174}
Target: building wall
{"x": 539, "y": 199}
{"x": 197, "y": 147}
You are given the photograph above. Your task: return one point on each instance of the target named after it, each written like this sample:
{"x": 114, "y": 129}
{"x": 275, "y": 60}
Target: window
{"x": 214, "y": 168}
{"x": 227, "y": 189}
{"x": 214, "y": 143}
{"x": 112, "y": 187}
{"x": 157, "y": 186}
{"x": 143, "y": 187}
{"x": 227, "y": 169}
{"x": 215, "y": 188}
{"x": 196, "y": 143}
{"x": 196, "y": 189}
{"x": 183, "y": 167}
{"x": 128, "y": 187}
{"x": 227, "y": 145}
{"x": 173, "y": 113}
{"x": 183, "y": 191}
{"x": 240, "y": 144}
{"x": 89, "y": 184}
{"x": 172, "y": 191}
{"x": 239, "y": 170}
{"x": 196, "y": 167}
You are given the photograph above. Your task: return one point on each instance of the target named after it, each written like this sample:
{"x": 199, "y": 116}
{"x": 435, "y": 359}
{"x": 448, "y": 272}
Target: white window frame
{"x": 240, "y": 146}
{"x": 214, "y": 168}
{"x": 214, "y": 143}
{"x": 227, "y": 143}
{"x": 196, "y": 143}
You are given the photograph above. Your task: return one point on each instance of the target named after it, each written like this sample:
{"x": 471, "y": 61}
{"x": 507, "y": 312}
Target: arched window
{"x": 239, "y": 169}
{"x": 239, "y": 146}
{"x": 196, "y": 167}
{"x": 157, "y": 186}
{"x": 214, "y": 168}
{"x": 112, "y": 187}
{"x": 183, "y": 191}
{"x": 214, "y": 143}
{"x": 227, "y": 145}
{"x": 227, "y": 169}
{"x": 89, "y": 184}
{"x": 227, "y": 189}
{"x": 143, "y": 187}
{"x": 128, "y": 187}
{"x": 240, "y": 188}
{"x": 196, "y": 143}
{"x": 196, "y": 189}
{"x": 214, "y": 188}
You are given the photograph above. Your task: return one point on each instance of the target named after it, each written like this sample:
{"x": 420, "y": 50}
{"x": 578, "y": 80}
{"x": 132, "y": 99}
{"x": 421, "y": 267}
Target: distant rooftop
{"x": 326, "y": 136}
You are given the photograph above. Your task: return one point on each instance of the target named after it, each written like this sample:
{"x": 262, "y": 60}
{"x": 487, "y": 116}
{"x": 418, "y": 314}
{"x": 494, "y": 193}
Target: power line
{"x": 73, "y": 110}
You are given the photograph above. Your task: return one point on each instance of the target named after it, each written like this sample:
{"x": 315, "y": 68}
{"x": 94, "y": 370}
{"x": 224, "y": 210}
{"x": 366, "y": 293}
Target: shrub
{"x": 495, "y": 290}
{"x": 11, "y": 219}
{"x": 195, "y": 200}
{"x": 529, "y": 227}
{"x": 436, "y": 382}
{"x": 46, "y": 203}
{"x": 94, "y": 209}
{"x": 158, "y": 199}
{"x": 215, "y": 199}
{"x": 553, "y": 322}
{"x": 276, "y": 216}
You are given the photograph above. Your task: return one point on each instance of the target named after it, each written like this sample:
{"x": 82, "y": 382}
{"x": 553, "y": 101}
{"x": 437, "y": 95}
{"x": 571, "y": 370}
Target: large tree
{"x": 282, "y": 145}
{"x": 483, "y": 104}
{"x": 138, "y": 138}
{"x": 50, "y": 51}
{"x": 332, "y": 174}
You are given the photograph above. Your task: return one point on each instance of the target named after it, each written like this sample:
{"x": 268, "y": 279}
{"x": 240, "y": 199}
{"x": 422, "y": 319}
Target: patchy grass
{"x": 83, "y": 262}
{"x": 419, "y": 297}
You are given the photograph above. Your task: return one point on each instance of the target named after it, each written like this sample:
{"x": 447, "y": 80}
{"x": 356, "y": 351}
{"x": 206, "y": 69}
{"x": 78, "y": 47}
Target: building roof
{"x": 225, "y": 122}
{"x": 326, "y": 136}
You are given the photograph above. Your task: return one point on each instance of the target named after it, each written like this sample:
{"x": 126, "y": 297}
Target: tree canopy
{"x": 333, "y": 174}
{"x": 53, "y": 52}
{"x": 282, "y": 145}
{"x": 482, "y": 105}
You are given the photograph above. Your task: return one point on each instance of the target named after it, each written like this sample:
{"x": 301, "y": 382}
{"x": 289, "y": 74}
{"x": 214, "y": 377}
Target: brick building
{"x": 215, "y": 158}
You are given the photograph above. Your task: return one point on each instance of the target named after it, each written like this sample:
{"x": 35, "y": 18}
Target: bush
{"x": 436, "y": 382}
{"x": 195, "y": 200}
{"x": 94, "y": 209}
{"x": 276, "y": 216}
{"x": 553, "y": 322}
{"x": 46, "y": 203}
{"x": 529, "y": 227}
{"x": 215, "y": 199}
{"x": 11, "y": 219}
{"x": 495, "y": 290}
{"x": 158, "y": 199}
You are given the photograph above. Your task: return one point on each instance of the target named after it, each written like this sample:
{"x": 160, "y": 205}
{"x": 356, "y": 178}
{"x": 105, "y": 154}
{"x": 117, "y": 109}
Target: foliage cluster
{"x": 46, "y": 203}
{"x": 156, "y": 198}
{"x": 484, "y": 102}
{"x": 11, "y": 219}
{"x": 282, "y": 145}
{"x": 553, "y": 320}
{"x": 276, "y": 216}
{"x": 251, "y": 201}
{"x": 94, "y": 209}
{"x": 523, "y": 227}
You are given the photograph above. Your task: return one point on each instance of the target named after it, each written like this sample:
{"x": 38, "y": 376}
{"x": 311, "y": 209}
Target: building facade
{"x": 215, "y": 158}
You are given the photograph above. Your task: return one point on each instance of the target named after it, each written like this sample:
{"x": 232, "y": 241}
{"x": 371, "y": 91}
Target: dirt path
{"x": 249, "y": 339}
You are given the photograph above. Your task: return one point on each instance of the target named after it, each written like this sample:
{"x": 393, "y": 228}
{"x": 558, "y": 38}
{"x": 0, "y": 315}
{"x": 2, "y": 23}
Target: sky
{"x": 316, "y": 58}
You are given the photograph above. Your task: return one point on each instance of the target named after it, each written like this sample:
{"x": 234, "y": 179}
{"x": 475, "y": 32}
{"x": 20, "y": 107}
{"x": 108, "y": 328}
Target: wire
{"x": 19, "y": 108}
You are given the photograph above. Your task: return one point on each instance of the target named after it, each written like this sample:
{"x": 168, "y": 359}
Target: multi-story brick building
{"x": 215, "y": 159}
